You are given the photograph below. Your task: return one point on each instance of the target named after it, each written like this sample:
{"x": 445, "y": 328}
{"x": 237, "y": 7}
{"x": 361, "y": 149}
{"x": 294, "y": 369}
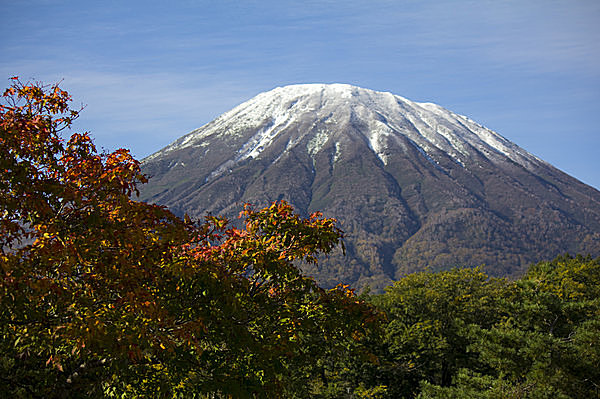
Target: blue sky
{"x": 151, "y": 71}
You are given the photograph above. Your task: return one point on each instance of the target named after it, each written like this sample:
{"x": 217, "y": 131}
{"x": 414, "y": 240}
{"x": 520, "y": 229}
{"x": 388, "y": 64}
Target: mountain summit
{"x": 413, "y": 184}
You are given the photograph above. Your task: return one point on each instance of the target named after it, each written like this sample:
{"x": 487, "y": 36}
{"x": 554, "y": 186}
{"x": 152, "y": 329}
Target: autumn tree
{"x": 103, "y": 296}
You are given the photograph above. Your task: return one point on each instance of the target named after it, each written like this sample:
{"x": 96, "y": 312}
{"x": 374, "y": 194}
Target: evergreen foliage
{"x": 460, "y": 334}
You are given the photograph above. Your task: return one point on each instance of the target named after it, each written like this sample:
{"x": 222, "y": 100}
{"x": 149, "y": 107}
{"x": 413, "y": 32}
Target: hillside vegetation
{"x": 102, "y": 296}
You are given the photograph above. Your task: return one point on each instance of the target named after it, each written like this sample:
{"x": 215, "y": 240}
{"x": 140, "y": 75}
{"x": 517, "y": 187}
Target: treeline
{"x": 461, "y": 334}
{"x": 105, "y": 296}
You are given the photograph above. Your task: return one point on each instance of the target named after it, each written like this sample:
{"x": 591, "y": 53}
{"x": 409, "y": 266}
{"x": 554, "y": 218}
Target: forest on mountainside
{"x": 105, "y": 296}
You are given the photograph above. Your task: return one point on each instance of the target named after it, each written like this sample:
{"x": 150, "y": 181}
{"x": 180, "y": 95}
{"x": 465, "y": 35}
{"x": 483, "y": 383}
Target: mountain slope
{"x": 413, "y": 184}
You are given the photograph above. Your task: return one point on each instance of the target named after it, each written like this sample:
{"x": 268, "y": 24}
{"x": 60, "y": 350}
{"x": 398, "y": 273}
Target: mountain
{"x": 413, "y": 185}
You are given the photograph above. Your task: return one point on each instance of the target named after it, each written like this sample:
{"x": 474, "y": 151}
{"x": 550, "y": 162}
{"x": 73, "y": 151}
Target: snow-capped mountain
{"x": 413, "y": 184}
{"x": 428, "y": 126}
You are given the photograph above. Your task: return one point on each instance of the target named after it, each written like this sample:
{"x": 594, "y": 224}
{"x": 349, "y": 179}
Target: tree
{"x": 544, "y": 345}
{"x": 460, "y": 334}
{"x": 430, "y": 314}
{"x": 102, "y": 295}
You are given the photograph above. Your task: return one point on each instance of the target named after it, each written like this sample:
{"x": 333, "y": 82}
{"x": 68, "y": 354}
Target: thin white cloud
{"x": 143, "y": 111}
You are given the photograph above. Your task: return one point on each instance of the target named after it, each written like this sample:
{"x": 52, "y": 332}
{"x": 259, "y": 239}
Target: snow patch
{"x": 262, "y": 139}
{"x": 378, "y": 139}
{"x": 427, "y": 156}
{"x": 316, "y": 143}
{"x": 338, "y": 152}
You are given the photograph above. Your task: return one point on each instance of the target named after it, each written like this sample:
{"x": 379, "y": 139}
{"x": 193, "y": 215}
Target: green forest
{"x": 103, "y": 296}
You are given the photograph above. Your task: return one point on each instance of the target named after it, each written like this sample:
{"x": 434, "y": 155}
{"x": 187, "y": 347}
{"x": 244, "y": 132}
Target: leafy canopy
{"x": 102, "y": 295}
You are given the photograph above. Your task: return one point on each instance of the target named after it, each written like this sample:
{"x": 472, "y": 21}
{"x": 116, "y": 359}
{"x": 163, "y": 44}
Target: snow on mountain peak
{"x": 383, "y": 116}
